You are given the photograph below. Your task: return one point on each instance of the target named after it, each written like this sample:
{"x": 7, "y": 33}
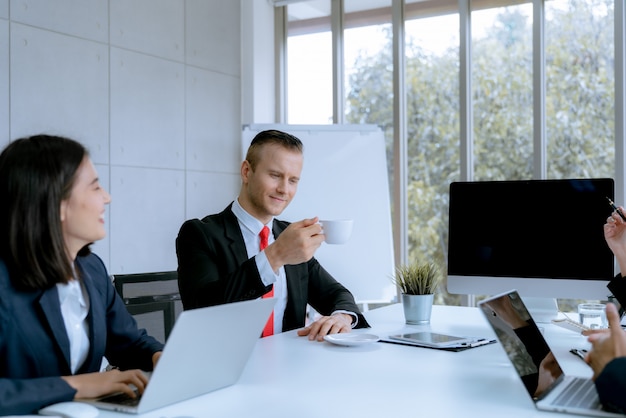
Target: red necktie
{"x": 269, "y": 326}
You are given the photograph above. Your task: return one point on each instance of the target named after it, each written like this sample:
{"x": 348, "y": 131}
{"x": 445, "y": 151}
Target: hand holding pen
{"x": 616, "y": 209}
{"x": 615, "y": 234}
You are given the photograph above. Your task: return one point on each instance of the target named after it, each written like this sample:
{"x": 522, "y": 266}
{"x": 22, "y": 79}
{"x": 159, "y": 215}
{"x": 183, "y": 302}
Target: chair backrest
{"x": 148, "y": 294}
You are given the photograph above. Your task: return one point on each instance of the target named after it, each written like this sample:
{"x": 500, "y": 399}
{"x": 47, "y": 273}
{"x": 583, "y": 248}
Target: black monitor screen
{"x": 530, "y": 228}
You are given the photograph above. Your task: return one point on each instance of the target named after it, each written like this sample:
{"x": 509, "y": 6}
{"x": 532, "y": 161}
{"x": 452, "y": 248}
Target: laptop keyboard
{"x": 579, "y": 393}
{"x": 122, "y": 399}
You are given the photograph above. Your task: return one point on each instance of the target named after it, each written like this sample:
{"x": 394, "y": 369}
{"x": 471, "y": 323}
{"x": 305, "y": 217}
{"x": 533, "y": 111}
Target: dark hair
{"x": 36, "y": 174}
{"x": 271, "y": 137}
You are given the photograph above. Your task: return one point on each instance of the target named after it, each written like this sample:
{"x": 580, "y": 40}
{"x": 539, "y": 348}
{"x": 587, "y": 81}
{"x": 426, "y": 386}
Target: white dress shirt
{"x": 250, "y": 229}
{"x": 74, "y": 308}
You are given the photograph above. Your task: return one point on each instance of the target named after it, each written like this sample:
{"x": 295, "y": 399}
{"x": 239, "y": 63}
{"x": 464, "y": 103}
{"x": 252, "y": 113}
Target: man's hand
{"x": 607, "y": 345}
{"x": 333, "y": 324}
{"x": 296, "y": 244}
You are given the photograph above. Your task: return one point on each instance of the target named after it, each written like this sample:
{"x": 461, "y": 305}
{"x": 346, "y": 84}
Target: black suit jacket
{"x": 35, "y": 349}
{"x": 214, "y": 268}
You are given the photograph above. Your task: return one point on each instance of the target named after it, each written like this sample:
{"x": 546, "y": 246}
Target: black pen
{"x": 616, "y": 209}
{"x": 579, "y": 353}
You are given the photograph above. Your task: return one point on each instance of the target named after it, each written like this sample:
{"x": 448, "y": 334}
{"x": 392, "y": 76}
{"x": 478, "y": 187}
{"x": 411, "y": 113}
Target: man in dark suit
{"x": 222, "y": 258}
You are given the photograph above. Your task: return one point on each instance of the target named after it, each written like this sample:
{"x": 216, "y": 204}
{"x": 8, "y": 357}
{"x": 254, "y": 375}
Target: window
{"x": 502, "y": 93}
{"x": 580, "y": 88}
{"x": 368, "y": 77}
{"x": 309, "y": 63}
{"x": 580, "y": 97}
{"x": 432, "y": 80}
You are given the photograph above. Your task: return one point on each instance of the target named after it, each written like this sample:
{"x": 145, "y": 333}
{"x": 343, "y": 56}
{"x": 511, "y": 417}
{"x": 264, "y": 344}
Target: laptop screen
{"x": 523, "y": 343}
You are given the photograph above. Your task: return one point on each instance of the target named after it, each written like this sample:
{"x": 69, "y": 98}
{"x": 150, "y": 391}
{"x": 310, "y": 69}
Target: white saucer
{"x": 351, "y": 339}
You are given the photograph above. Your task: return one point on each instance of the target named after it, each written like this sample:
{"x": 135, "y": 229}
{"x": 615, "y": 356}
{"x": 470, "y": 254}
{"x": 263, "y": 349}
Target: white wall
{"x": 151, "y": 87}
{"x": 259, "y": 104}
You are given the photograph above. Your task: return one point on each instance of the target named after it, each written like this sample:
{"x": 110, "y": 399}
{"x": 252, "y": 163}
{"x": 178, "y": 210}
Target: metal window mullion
{"x": 280, "y": 57}
{"x": 336, "y": 22}
{"x": 400, "y": 160}
{"x": 620, "y": 99}
{"x": 539, "y": 92}
{"x": 466, "y": 137}
{"x": 465, "y": 92}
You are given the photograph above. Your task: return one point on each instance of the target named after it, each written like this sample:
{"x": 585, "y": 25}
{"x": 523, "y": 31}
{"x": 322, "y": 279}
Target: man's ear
{"x": 246, "y": 169}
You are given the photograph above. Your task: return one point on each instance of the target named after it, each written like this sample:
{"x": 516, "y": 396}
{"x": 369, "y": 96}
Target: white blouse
{"x": 74, "y": 307}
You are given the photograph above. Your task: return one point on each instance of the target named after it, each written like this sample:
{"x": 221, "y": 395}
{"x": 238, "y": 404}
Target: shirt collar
{"x": 248, "y": 221}
{"x": 73, "y": 288}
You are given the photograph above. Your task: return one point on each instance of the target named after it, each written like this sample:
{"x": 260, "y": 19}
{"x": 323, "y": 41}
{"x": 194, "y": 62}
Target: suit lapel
{"x": 232, "y": 232}
{"x": 97, "y": 331}
{"x": 51, "y": 308}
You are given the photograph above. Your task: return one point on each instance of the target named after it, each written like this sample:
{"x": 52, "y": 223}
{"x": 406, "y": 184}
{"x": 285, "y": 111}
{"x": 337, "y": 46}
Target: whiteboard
{"x": 345, "y": 177}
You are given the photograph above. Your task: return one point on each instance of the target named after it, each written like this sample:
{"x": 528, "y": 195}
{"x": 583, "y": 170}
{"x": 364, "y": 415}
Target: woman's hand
{"x": 94, "y": 385}
{"x": 607, "y": 345}
{"x": 615, "y": 236}
{"x": 155, "y": 358}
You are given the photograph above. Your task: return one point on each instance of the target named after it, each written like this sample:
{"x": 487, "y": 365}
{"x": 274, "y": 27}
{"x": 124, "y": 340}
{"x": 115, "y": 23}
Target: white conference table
{"x": 289, "y": 376}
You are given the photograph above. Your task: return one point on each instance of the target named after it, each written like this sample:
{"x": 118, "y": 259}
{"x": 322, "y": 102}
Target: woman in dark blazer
{"x": 59, "y": 313}
{"x": 615, "y": 236}
{"x": 608, "y": 355}
{"x": 607, "y": 358}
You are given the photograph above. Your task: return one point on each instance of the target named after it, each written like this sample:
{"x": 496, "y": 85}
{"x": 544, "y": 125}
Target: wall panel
{"x": 82, "y": 18}
{"x": 208, "y": 24}
{"x": 4, "y": 9}
{"x": 209, "y": 193}
{"x": 59, "y": 85}
{"x": 147, "y": 111}
{"x": 154, "y": 27}
{"x": 212, "y": 115}
{"x": 146, "y": 212}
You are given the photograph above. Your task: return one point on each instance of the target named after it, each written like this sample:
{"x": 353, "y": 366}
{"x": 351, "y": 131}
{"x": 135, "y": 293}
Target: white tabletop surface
{"x": 289, "y": 376}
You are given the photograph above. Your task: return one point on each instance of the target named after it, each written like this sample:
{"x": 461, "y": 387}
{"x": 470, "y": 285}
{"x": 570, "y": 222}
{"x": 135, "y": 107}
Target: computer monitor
{"x": 542, "y": 237}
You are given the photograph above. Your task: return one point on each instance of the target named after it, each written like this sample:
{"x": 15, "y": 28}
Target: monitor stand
{"x": 543, "y": 310}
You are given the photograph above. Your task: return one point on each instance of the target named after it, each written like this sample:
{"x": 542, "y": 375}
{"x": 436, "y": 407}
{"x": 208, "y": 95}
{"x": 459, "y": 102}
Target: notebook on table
{"x": 207, "y": 350}
{"x": 531, "y": 357}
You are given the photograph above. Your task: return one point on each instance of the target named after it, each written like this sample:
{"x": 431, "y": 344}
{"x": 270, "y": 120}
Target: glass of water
{"x": 592, "y": 315}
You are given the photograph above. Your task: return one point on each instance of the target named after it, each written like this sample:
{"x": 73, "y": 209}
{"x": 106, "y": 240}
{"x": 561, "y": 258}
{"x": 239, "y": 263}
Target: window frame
{"x": 399, "y": 12}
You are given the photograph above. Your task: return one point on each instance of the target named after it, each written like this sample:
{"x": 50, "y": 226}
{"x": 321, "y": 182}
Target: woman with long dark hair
{"x": 59, "y": 312}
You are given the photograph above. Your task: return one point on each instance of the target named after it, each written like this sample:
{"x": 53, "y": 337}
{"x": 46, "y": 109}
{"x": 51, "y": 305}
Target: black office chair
{"x": 148, "y": 293}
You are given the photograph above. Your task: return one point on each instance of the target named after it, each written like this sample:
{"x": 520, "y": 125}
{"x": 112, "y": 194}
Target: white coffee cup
{"x": 337, "y": 231}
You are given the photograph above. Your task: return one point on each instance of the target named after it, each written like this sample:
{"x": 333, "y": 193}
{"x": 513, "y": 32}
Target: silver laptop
{"x": 532, "y": 359}
{"x": 207, "y": 350}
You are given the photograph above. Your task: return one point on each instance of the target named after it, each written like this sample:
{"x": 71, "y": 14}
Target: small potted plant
{"x": 417, "y": 283}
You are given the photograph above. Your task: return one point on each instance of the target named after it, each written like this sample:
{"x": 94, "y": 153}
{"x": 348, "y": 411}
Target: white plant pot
{"x": 417, "y": 308}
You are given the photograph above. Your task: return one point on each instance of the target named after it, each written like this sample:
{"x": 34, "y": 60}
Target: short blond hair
{"x": 271, "y": 136}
